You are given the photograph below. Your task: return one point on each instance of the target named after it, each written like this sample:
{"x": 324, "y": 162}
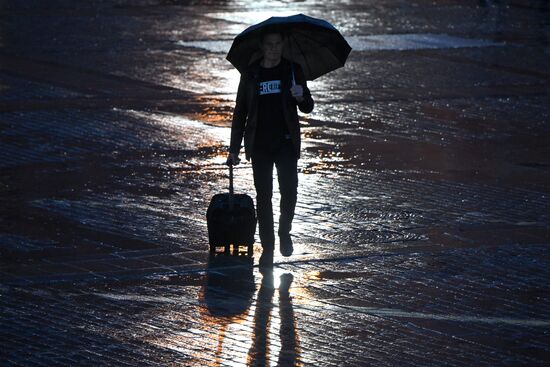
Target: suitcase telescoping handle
{"x": 231, "y": 196}
{"x": 231, "y": 178}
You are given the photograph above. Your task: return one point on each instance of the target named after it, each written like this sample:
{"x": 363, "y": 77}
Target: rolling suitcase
{"x": 231, "y": 220}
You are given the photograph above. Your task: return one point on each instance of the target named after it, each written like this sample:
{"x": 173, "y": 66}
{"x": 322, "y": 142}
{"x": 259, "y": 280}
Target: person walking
{"x": 270, "y": 92}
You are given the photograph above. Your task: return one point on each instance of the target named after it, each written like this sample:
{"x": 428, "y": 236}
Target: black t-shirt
{"x": 271, "y": 129}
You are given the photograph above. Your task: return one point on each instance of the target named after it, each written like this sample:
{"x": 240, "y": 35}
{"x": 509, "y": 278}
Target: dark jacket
{"x": 245, "y": 115}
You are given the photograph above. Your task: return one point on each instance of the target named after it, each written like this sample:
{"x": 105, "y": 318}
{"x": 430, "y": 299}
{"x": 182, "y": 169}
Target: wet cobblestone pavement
{"x": 422, "y": 227}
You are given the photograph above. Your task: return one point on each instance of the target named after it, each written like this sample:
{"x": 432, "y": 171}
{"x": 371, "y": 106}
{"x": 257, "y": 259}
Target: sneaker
{"x": 286, "y": 245}
{"x": 266, "y": 260}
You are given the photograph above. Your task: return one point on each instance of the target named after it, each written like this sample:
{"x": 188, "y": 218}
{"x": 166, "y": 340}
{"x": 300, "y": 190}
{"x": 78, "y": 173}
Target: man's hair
{"x": 271, "y": 31}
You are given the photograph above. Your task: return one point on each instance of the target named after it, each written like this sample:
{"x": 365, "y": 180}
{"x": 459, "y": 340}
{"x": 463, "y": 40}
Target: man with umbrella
{"x": 271, "y": 90}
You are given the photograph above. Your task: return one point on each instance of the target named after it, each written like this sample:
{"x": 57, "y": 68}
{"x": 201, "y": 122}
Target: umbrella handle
{"x": 292, "y": 65}
{"x": 231, "y": 178}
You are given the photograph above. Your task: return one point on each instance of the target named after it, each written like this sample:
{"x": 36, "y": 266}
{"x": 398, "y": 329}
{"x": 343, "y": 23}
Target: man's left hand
{"x": 297, "y": 92}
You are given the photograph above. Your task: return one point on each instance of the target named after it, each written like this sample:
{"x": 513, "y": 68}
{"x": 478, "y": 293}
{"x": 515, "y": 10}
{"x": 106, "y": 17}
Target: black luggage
{"x": 231, "y": 220}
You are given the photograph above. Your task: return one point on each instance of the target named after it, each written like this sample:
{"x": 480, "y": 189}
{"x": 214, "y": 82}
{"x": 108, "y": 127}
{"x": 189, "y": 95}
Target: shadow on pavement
{"x": 228, "y": 292}
{"x": 259, "y": 353}
{"x": 230, "y": 284}
{"x": 228, "y": 296}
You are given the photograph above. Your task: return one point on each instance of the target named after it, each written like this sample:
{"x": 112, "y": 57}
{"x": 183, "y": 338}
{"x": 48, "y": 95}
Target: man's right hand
{"x": 232, "y": 159}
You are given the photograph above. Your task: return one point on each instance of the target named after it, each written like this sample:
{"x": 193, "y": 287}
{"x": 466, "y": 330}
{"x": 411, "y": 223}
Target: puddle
{"x": 216, "y": 46}
{"x": 251, "y": 17}
{"x": 388, "y": 312}
{"x": 379, "y": 42}
{"x": 402, "y": 42}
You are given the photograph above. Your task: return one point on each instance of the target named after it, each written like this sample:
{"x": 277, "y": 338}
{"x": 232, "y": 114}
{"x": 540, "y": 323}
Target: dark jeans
{"x": 286, "y": 163}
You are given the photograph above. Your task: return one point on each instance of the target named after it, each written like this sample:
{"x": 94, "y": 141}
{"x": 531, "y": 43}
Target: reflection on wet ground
{"x": 395, "y": 42}
{"x": 422, "y": 224}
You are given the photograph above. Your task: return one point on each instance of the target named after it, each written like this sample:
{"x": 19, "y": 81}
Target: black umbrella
{"x": 313, "y": 43}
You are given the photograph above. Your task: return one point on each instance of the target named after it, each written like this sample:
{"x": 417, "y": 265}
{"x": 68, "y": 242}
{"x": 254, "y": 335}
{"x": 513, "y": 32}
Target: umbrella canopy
{"x": 313, "y": 43}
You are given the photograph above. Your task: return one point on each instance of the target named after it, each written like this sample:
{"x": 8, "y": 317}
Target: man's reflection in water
{"x": 260, "y": 351}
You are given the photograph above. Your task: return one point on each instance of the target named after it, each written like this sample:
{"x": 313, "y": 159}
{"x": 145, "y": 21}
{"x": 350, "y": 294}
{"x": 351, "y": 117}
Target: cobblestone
{"x": 421, "y": 231}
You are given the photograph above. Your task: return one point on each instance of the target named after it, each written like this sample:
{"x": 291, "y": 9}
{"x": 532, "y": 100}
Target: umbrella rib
{"x": 305, "y": 34}
{"x": 301, "y": 52}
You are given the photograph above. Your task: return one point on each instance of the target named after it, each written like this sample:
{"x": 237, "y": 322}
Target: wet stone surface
{"x": 421, "y": 231}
